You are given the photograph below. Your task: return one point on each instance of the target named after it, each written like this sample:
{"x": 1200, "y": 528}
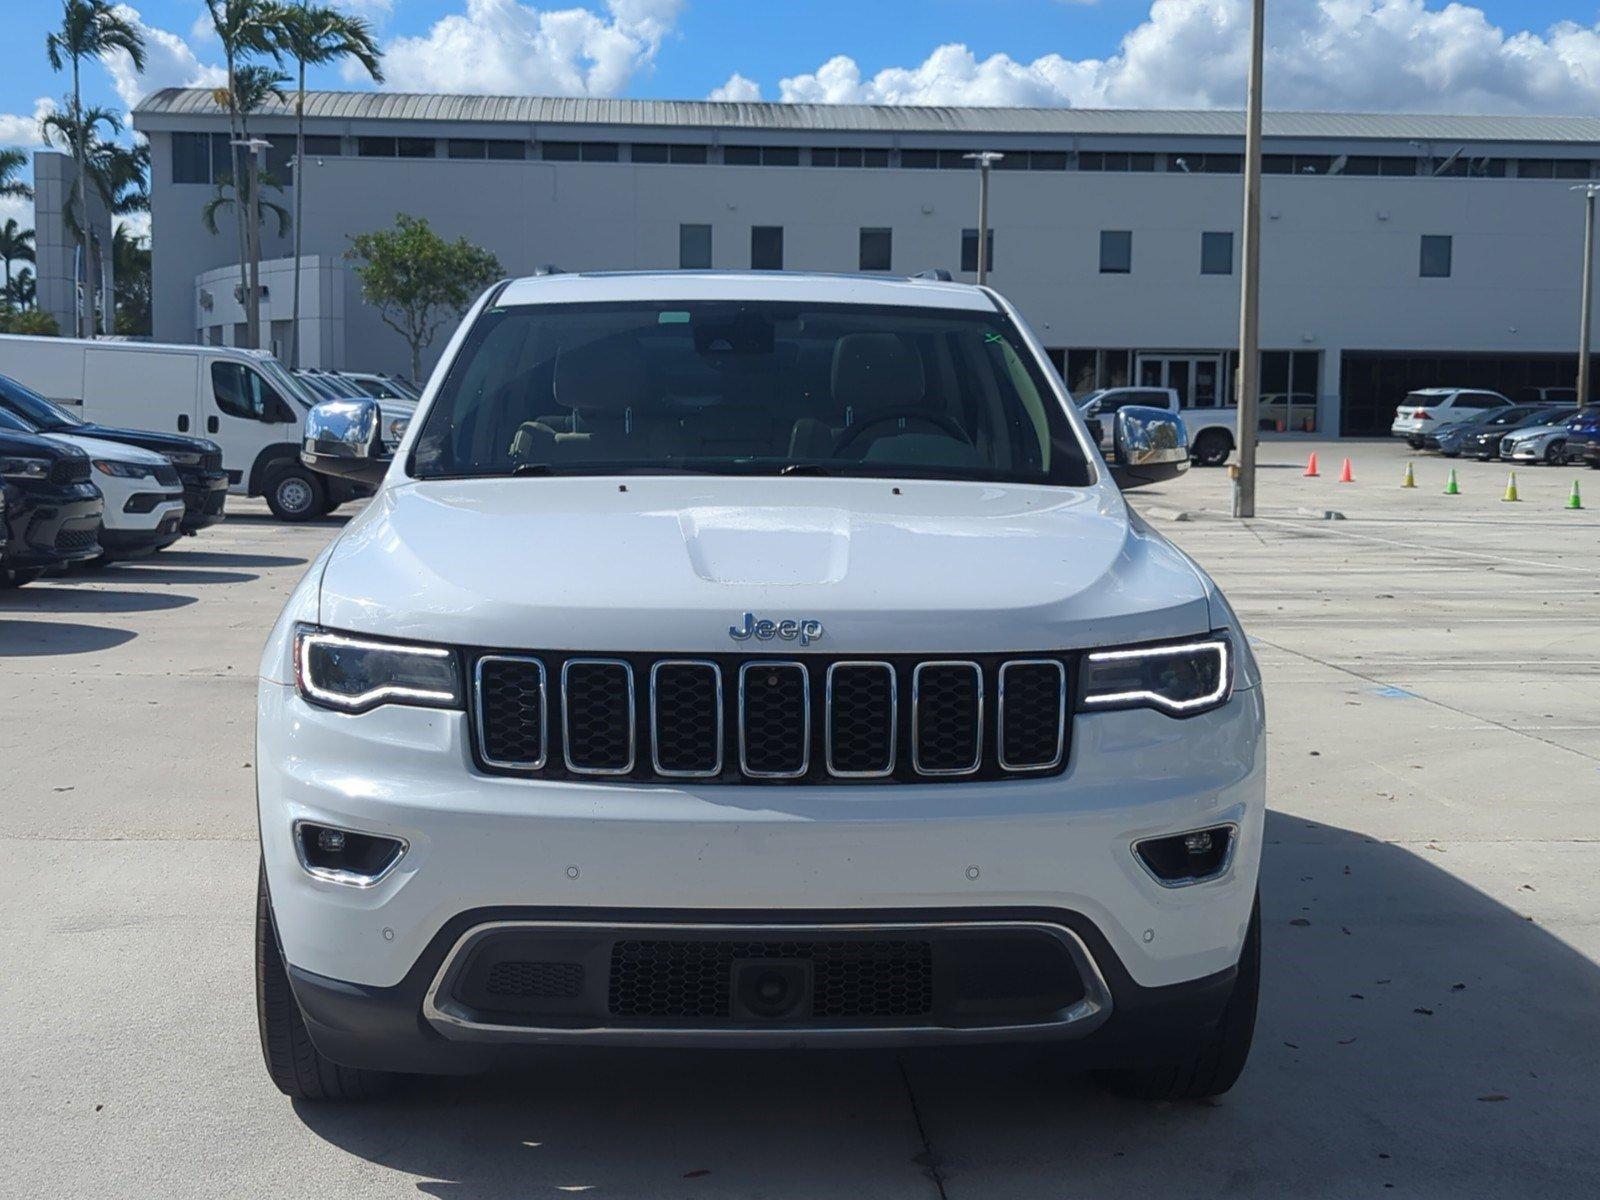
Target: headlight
{"x": 1177, "y": 678}
{"x": 185, "y": 458}
{"x": 25, "y": 468}
{"x": 353, "y": 674}
{"x": 123, "y": 470}
{"x": 398, "y": 427}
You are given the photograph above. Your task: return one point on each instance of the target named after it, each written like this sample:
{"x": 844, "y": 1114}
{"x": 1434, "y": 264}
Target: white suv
{"x": 1428, "y": 409}
{"x": 753, "y": 659}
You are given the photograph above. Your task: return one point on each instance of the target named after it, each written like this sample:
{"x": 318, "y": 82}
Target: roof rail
{"x": 548, "y": 269}
{"x": 936, "y": 273}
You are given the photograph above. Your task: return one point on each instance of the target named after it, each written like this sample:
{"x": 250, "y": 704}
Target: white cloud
{"x": 169, "y": 62}
{"x": 737, "y": 88}
{"x": 1394, "y": 55}
{"x": 22, "y": 132}
{"x": 17, "y": 209}
{"x": 503, "y": 46}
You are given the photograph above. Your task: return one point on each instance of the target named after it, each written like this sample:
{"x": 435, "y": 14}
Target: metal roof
{"x": 886, "y": 118}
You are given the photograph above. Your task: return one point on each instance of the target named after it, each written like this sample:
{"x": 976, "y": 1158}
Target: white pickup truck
{"x": 1211, "y": 430}
{"x": 753, "y": 659}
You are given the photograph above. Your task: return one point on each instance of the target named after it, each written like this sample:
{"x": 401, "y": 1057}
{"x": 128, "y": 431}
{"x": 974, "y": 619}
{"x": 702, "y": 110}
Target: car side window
{"x": 240, "y": 392}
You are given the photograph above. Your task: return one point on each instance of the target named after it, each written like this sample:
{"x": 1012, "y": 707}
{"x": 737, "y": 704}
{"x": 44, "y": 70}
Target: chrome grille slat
{"x": 595, "y": 718}
{"x": 1037, "y": 713}
{"x": 524, "y": 725}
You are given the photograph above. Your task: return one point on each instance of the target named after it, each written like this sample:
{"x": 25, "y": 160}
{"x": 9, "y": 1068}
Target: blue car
{"x": 1583, "y": 436}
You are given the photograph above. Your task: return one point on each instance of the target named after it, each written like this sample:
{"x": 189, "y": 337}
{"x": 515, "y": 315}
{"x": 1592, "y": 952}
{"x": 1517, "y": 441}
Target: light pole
{"x": 1244, "y": 484}
{"x": 1585, "y": 308}
{"x": 985, "y": 159}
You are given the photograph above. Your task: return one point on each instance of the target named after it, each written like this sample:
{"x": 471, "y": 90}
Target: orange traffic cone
{"x": 1345, "y": 474}
{"x": 1311, "y": 466}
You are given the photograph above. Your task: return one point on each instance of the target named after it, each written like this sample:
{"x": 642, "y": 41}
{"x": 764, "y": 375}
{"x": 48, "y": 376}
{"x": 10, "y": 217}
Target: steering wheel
{"x": 902, "y": 412}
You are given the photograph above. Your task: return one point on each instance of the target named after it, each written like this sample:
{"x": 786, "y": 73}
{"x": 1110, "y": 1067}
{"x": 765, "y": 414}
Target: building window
{"x": 1296, "y": 164}
{"x": 1115, "y": 160}
{"x": 498, "y": 148}
{"x": 969, "y": 250}
{"x": 280, "y": 161}
{"x": 1553, "y": 168}
{"x": 761, "y": 156}
{"x": 766, "y": 247}
{"x": 1205, "y": 164}
{"x": 412, "y": 147}
{"x": 1436, "y": 253}
{"x": 1216, "y": 254}
{"x": 579, "y": 151}
{"x": 323, "y": 146}
{"x": 848, "y": 156}
{"x": 919, "y": 159}
{"x": 191, "y": 158}
{"x": 1379, "y": 164}
{"x": 876, "y": 249}
{"x": 375, "y": 147}
{"x": 694, "y": 247}
{"x": 662, "y": 152}
{"x": 1116, "y": 251}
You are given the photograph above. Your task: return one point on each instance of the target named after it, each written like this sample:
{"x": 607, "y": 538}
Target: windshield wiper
{"x": 806, "y": 468}
{"x": 531, "y": 469}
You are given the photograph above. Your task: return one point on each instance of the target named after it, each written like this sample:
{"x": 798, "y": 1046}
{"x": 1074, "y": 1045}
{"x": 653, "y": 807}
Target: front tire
{"x": 1212, "y": 447}
{"x": 15, "y": 577}
{"x": 297, "y": 1068}
{"x": 296, "y": 494}
{"x": 1212, "y": 1065}
{"x": 1555, "y": 454}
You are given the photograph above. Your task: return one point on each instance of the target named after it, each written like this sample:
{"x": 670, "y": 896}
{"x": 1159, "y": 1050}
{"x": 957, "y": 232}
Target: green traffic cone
{"x": 1574, "y": 501}
{"x": 1452, "y": 488}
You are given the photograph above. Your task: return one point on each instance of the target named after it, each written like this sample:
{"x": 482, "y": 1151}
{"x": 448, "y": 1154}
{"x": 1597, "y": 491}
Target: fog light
{"x": 1187, "y": 858}
{"x": 345, "y": 856}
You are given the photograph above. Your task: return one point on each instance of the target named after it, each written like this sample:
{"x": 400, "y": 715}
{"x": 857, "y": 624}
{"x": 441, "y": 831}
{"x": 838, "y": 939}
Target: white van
{"x": 242, "y": 399}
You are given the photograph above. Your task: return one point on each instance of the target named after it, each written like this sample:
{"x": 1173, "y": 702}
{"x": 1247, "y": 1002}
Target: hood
{"x": 670, "y": 564}
{"x": 121, "y": 451}
{"x": 164, "y": 443}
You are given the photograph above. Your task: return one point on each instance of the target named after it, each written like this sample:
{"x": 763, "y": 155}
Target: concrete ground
{"x": 1430, "y": 1022}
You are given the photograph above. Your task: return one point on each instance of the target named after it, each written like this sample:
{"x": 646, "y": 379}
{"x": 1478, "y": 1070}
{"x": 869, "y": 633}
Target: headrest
{"x": 876, "y": 370}
{"x": 600, "y": 376}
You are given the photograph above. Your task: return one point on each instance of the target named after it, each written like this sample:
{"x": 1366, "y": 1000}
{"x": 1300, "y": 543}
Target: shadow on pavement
{"x": 1415, "y": 1034}
{"x": 41, "y": 639}
{"x": 257, "y": 518}
{"x": 138, "y": 572}
{"x": 56, "y": 599}
{"x": 218, "y": 558}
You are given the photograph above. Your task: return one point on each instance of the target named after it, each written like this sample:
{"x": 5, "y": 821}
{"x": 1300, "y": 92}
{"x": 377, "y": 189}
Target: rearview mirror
{"x": 1149, "y": 445}
{"x": 345, "y": 438}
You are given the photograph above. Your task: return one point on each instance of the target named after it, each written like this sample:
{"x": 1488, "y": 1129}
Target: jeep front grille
{"x": 738, "y": 719}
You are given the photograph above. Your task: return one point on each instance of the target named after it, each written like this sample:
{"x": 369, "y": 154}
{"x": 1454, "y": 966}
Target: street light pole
{"x": 1244, "y": 487}
{"x": 1585, "y": 308}
{"x": 985, "y": 159}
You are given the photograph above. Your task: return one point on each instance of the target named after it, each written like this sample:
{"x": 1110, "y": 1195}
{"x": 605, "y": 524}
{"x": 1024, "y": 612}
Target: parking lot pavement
{"x": 1431, "y": 1006}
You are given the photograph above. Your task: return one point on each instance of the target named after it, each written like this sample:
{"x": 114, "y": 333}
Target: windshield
{"x": 286, "y": 383}
{"x": 27, "y": 403}
{"x": 748, "y": 387}
{"x": 10, "y": 422}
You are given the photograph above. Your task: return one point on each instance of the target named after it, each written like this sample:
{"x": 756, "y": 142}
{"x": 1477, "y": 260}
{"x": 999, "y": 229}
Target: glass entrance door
{"x": 1197, "y": 378}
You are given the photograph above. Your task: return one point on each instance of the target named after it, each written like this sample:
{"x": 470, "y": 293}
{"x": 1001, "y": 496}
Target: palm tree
{"x": 131, "y": 263}
{"x": 16, "y": 245}
{"x": 226, "y": 196}
{"x": 244, "y": 29}
{"x": 89, "y": 29}
{"x": 24, "y": 288}
{"x": 11, "y": 164}
{"x": 316, "y": 36}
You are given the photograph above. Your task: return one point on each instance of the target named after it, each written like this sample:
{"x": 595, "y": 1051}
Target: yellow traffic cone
{"x": 1574, "y": 501}
{"x": 1410, "y": 480}
{"x": 1511, "y": 488}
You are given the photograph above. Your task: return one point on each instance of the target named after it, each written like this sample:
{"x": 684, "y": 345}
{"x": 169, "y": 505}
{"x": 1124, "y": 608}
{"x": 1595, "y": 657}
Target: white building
{"x": 1399, "y": 251}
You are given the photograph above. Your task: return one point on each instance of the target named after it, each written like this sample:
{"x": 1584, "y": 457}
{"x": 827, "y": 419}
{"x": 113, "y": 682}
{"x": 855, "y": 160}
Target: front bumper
{"x": 1523, "y": 452}
{"x": 1056, "y": 851}
{"x": 52, "y": 525}
{"x": 205, "y": 494}
{"x": 141, "y": 532}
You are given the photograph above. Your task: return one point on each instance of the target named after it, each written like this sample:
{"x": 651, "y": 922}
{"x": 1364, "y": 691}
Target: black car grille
{"x": 167, "y": 476}
{"x": 70, "y": 470}
{"x": 536, "y": 980}
{"x": 70, "y": 541}
{"x": 862, "y": 980}
{"x": 731, "y": 719}
{"x": 211, "y": 460}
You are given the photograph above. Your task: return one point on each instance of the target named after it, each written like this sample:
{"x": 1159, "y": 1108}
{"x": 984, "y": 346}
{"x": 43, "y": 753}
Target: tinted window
{"x": 1436, "y": 254}
{"x": 1216, "y": 254}
{"x": 876, "y": 249}
{"x": 323, "y": 146}
{"x": 240, "y": 392}
{"x": 34, "y": 408}
{"x": 191, "y": 158}
{"x": 1116, "y": 252}
{"x": 694, "y": 246}
{"x": 749, "y": 388}
{"x": 766, "y": 247}
{"x": 969, "y": 250}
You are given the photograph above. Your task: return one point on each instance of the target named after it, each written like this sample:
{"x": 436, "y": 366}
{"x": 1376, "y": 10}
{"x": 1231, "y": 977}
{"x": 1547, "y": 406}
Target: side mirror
{"x": 1149, "y": 445}
{"x": 345, "y": 438}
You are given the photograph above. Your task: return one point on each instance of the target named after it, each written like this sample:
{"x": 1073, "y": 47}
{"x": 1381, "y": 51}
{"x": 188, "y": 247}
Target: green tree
{"x": 24, "y": 288}
{"x": 244, "y": 27}
{"x": 12, "y": 163}
{"x": 29, "y": 321}
{"x": 16, "y": 245}
{"x": 90, "y": 29}
{"x": 417, "y": 280}
{"x": 130, "y": 259}
{"x": 316, "y": 36}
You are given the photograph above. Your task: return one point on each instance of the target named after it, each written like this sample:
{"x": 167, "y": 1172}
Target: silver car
{"x": 1538, "y": 443}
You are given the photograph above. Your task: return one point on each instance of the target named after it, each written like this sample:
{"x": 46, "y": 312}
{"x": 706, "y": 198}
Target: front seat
{"x": 874, "y": 374}
{"x": 606, "y": 388}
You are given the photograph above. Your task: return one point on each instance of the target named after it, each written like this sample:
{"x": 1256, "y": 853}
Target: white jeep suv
{"x": 753, "y": 660}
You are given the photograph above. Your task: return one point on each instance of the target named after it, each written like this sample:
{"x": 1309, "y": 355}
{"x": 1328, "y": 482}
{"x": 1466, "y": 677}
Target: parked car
{"x": 1583, "y": 437}
{"x": 243, "y": 400}
{"x": 143, "y": 495}
{"x": 1426, "y": 409}
{"x": 52, "y": 509}
{"x": 328, "y": 385}
{"x": 1481, "y": 438}
{"x": 801, "y": 692}
{"x": 1210, "y": 429}
{"x": 197, "y": 460}
{"x": 382, "y": 387}
{"x": 1547, "y": 443}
